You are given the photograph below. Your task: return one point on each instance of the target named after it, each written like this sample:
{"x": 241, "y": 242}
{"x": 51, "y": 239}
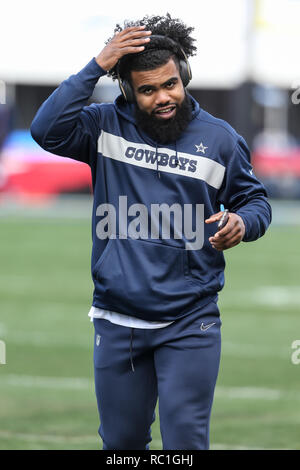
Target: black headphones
{"x": 160, "y": 42}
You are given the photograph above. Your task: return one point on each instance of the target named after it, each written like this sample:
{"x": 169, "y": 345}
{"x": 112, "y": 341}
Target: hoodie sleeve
{"x": 242, "y": 193}
{"x": 64, "y": 125}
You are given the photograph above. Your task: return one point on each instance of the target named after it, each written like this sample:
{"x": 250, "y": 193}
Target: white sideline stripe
{"x": 45, "y": 339}
{"x": 81, "y": 383}
{"x": 255, "y": 350}
{"x": 114, "y": 147}
{"x": 251, "y": 393}
{"x": 270, "y": 296}
{"x": 66, "y": 383}
{"x": 278, "y": 295}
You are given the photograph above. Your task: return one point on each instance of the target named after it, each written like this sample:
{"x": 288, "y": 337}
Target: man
{"x": 161, "y": 166}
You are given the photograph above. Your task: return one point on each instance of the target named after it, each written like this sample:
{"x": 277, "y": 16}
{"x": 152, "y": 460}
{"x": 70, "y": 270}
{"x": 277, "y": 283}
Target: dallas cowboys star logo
{"x": 200, "y": 148}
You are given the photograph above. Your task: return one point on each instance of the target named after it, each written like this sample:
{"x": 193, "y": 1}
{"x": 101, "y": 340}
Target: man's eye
{"x": 148, "y": 91}
{"x": 170, "y": 85}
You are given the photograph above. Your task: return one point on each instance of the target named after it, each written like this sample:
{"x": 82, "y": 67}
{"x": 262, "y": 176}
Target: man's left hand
{"x": 230, "y": 235}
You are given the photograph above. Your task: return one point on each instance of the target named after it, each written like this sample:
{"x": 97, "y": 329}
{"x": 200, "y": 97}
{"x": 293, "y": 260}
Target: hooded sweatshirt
{"x": 151, "y": 255}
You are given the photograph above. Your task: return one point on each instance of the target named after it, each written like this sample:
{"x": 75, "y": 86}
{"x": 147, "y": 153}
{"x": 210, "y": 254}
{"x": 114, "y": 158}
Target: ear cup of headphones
{"x": 127, "y": 91}
{"x": 185, "y": 72}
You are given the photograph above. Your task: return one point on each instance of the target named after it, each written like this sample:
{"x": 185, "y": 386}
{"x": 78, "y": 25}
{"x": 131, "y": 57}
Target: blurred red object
{"x": 28, "y": 171}
{"x": 271, "y": 162}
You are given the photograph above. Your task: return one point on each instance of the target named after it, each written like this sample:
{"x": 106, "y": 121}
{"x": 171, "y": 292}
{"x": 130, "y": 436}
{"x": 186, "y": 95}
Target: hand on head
{"x": 129, "y": 41}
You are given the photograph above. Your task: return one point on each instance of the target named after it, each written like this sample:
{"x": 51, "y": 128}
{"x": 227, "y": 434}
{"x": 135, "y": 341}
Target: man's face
{"x": 163, "y": 110}
{"x": 159, "y": 92}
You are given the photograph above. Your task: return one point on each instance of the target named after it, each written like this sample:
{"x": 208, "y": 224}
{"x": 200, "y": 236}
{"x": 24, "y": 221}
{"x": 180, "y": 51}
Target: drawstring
{"x": 157, "y": 170}
{"x": 176, "y": 161}
{"x": 156, "y": 158}
{"x": 131, "y": 341}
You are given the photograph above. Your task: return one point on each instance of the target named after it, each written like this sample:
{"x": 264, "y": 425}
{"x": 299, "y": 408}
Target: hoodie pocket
{"x": 142, "y": 278}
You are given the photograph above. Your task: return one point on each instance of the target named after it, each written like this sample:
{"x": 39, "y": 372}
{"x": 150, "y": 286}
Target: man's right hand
{"x": 128, "y": 41}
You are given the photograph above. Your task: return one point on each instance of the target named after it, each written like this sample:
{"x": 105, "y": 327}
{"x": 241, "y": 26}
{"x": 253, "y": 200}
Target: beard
{"x": 165, "y": 130}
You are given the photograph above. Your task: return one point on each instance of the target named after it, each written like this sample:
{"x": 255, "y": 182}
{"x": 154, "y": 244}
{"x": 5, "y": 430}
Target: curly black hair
{"x": 172, "y": 28}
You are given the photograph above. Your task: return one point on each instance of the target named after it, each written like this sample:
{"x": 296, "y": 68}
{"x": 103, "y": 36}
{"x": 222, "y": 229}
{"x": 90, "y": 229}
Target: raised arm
{"x": 64, "y": 125}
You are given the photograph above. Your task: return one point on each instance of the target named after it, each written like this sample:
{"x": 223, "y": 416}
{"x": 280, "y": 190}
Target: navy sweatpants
{"x": 177, "y": 364}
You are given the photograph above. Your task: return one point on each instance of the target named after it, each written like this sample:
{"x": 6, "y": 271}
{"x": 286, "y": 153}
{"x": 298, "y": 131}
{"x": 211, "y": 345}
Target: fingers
{"x": 130, "y": 40}
{"x": 221, "y": 241}
{"x": 228, "y": 244}
{"x": 133, "y": 36}
{"x": 132, "y": 31}
{"x": 214, "y": 218}
{"x": 230, "y": 235}
{"x": 132, "y": 46}
{"x": 229, "y": 227}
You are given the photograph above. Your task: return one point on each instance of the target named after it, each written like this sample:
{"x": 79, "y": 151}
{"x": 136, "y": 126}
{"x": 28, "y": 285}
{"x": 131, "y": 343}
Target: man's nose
{"x": 162, "y": 97}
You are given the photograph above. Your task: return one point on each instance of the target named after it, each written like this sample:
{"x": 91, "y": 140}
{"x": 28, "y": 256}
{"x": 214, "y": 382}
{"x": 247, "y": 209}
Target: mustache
{"x": 167, "y": 105}
{"x": 168, "y": 130}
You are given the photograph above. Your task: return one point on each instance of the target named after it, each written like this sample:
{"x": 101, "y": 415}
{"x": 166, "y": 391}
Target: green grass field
{"x": 47, "y": 398}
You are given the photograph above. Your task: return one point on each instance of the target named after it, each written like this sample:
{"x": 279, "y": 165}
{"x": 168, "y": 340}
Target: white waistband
{"x": 124, "y": 320}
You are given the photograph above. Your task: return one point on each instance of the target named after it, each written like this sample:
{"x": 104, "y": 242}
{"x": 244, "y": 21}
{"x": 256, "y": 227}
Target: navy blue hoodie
{"x": 151, "y": 256}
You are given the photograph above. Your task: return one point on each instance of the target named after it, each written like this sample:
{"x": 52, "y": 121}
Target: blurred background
{"x": 247, "y": 72}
